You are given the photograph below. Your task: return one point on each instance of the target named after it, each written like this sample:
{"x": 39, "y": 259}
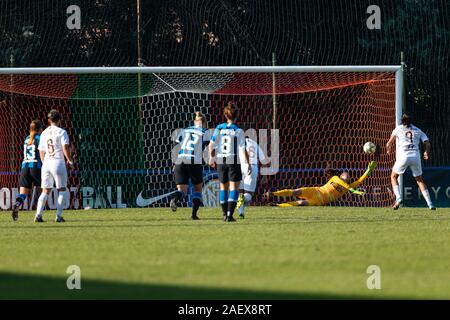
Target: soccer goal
{"x": 121, "y": 122}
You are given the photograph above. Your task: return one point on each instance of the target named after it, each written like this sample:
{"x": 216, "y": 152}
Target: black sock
{"x": 20, "y": 199}
{"x": 178, "y": 196}
{"x": 224, "y": 208}
{"x": 231, "y": 207}
{"x": 196, "y": 202}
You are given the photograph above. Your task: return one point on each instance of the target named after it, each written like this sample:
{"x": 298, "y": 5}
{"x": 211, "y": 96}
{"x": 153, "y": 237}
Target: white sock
{"x": 396, "y": 190}
{"x": 247, "y": 198}
{"x": 41, "y": 204}
{"x": 60, "y": 203}
{"x": 241, "y": 209}
{"x": 427, "y": 197}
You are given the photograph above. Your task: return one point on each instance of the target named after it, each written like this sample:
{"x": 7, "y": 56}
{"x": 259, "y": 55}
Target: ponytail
{"x": 35, "y": 126}
{"x": 198, "y": 116}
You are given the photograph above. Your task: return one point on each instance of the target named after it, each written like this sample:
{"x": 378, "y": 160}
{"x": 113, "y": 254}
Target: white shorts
{"x": 248, "y": 182}
{"x": 54, "y": 173}
{"x": 414, "y": 163}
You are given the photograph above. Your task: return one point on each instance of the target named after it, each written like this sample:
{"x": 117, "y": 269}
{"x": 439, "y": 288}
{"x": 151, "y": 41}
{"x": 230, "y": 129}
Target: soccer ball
{"x": 370, "y": 147}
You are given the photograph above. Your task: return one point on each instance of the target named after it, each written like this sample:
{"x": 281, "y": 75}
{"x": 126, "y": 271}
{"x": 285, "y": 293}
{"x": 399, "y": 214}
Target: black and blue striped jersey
{"x": 191, "y": 142}
{"x": 229, "y": 138}
{"x": 31, "y": 157}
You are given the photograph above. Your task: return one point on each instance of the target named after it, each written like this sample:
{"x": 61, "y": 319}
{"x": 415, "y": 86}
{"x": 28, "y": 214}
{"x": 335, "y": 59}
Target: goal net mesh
{"x": 121, "y": 128}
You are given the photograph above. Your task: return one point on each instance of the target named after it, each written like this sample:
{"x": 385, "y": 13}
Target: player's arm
{"x": 390, "y": 144}
{"x": 66, "y": 149}
{"x": 212, "y": 148}
{"x": 41, "y": 148}
{"x": 244, "y": 151}
{"x": 427, "y": 147}
{"x": 361, "y": 179}
{"x": 67, "y": 153}
{"x": 357, "y": 192}
{"x": 42, "y": 155}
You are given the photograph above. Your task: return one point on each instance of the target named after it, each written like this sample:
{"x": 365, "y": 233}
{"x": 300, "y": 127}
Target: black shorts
{"x": 229, "y": 172}
{"x": 29, "y": 177}
{"x": 185, "y": 171}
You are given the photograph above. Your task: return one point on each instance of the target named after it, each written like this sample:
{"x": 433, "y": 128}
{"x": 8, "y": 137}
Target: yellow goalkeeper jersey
{"x": 333, "y": 189}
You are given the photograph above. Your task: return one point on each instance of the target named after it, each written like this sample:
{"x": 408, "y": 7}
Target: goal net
{"x": 121, "y": 124}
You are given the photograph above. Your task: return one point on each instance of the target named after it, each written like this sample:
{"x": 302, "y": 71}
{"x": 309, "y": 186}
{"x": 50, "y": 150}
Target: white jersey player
{"x": 408, "y": 138}
{"x": 53, "y": 149}
{"x": 248, "y": 183}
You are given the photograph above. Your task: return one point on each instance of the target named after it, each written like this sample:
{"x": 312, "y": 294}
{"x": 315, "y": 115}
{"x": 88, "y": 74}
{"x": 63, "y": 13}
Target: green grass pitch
{"x": 274, "y": 253}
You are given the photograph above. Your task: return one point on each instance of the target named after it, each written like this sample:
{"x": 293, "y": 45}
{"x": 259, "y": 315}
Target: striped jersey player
{"x": 189, "y": 164}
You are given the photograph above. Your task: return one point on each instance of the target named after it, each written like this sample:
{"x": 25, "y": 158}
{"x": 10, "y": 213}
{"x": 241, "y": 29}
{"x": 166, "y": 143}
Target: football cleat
{"x": 60, "y": 220}
{"x": 230, "y": 219}
{"x": 195, "y": 218}
{"x": 38, "y": 220}
{"x": 173, "y": 205}
{"x": 15, "y": 212}
{"x": 242, "y": 215}
{"x": 397, "y": 205}
{"x": 432, "y": 207}
{"x": 240, "y": 201}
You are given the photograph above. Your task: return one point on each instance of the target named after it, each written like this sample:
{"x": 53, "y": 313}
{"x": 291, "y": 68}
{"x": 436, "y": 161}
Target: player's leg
{"x": 241, "y": 199}
{"x": 224, "y": 181}
{"x": 416, "y": 168}
{"x": 426, "y": 194}
{"x": 249, "y": 189}
{"x": 42, "y": 201}
{"x": 25, "y": 185}
{"x": 181, "y": 180}
{"x": 285, "y": 193}
{"x": 398, "y": 169}
{"x": 232, "y": 200}
{"x": 60, "y": 176}
{"x": 298, "y": 203}
{"x": 196, "y": 200}
{"x": 47, "y": 185}
{"x": 197, "y": 181}
{"x": 235, "y": 177}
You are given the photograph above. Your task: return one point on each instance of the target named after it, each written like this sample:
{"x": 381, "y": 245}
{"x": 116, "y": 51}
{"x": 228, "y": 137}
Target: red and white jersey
{"x": 255, "y": 153}
{"x": 408, "y": 140}
{"x": 52, "y": 140}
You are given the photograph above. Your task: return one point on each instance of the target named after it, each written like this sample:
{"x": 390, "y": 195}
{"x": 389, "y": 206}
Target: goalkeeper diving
{"x": 335, "y": 188}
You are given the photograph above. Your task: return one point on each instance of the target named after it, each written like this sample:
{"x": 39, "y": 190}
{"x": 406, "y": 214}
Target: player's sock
{"x": 396, "y": 190}
{"x": 60, "y": 202}
{"x": 232, "y": 202}
{"x": 426, "y": 195}
{"x": 41, "y": 204}
{"x": 20, "y": 199}
{"x": 196, "y": 202}
{"x": 288, "y": 204}
{"x": 223, "y": 195}
{"x": 283, "y": 193}
{"x": 247, "y": 198}
{"x": 178, "y": 196}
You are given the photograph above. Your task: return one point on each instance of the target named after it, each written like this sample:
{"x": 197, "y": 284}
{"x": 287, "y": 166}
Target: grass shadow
{"x": 21, "y": 286}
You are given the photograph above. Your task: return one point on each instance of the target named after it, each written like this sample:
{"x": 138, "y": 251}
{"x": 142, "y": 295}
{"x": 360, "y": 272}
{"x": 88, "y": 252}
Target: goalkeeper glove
{"x": 372, "y": 166}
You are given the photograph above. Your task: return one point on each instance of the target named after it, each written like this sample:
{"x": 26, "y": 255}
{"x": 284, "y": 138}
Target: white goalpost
{"x": 324, "y": 114}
